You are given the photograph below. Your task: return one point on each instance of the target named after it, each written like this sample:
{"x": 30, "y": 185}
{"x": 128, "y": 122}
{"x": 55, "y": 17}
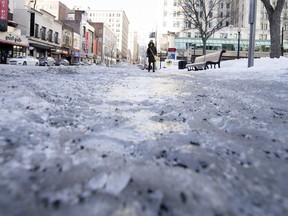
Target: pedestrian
{"x": 151, "y": 52}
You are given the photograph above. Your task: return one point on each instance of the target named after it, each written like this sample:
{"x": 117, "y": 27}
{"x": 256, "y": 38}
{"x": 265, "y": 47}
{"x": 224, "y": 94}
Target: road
{"x": 121, "y": 141}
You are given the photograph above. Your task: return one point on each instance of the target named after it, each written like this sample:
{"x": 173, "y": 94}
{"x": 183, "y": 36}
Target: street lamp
{"x": 282, "y": 42}
{"x": 194, "y": 55}
{"x": 238, "y": 50}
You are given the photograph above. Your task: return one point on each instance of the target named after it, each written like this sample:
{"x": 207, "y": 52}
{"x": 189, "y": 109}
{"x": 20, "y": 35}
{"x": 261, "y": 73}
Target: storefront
{"x": 39, "y": 49}
{"x": 78, "y": 56}
{"x": 58, "y": 53}
{"x": 12, "y": 46}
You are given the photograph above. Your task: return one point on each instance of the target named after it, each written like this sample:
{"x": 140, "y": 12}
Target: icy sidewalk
{"x": 121, "y": 141}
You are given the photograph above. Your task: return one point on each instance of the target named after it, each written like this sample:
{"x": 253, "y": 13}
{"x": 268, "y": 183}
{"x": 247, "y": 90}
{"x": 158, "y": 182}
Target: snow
{"x": 122, "y": 141}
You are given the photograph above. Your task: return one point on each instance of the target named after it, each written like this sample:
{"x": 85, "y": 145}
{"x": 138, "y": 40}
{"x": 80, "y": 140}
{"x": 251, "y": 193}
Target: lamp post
{"x": 282, "y": 42}
{"x": 194, "y": 49}
{"x": 238, "y": 50}
{"x": 194, "y": 54}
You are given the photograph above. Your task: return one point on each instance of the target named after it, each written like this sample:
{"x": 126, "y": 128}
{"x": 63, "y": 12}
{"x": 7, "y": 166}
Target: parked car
{"x": 46, "y": 61}
{"x": 77, "y": 63}
{"x": 87, "y": 63}
{"x": 62, "y": 61}
{"x": 24, "y": 60}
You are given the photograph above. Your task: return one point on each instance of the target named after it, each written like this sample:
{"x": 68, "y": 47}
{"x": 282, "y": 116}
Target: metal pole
{"x": 238, "y": 51}
{"x": 252, "y": 18}
{"x": 160, "y": 59}
{"x": 282, "y": 42}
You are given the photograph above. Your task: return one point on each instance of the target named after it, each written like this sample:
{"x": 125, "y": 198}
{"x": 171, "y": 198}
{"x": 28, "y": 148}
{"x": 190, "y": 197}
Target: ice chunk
{"x": 98, "y": 181}
{"x": 117, "y": 181}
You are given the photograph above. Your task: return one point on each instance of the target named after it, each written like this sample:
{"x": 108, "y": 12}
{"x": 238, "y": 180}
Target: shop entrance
{"x": 3, "y": 57}
{"x": 3, "y": 53}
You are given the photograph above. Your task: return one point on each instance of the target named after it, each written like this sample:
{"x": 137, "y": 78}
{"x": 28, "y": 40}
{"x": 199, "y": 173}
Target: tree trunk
{"x": 275, "y": 35}
{"x": 274, "y": 14}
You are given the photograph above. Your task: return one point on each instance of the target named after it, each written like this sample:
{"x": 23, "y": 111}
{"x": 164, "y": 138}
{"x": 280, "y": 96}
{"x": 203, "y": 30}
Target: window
{"x": 223, "y": 35}
{"x": 56, "y": 37}
{"x": 201, "y": 14}
{"x": 175, "y": 3}
{"x": 43, "y": 33}
{"x": 84, "y": 31}
{"x": 197, "y": 35}
{"x": 260, "y": 36}
{"x": 49, "y": 35}
{"x": 36, "y": 31}
{"x": 17, "y": 51}
{"x": 66, "y": 39}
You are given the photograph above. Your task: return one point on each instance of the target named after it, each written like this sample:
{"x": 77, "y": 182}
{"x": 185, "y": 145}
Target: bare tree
{"x": 274, "y": 15}
{"x": 207, "y": 16}
{"x": 284, "y": 32}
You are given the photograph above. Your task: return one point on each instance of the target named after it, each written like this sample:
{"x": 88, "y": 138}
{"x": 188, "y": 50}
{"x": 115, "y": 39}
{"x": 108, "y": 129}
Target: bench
{"x": 203, "y": 62}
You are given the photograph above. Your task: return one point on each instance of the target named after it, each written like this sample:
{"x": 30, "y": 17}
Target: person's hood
{"x": 151, "y": 44}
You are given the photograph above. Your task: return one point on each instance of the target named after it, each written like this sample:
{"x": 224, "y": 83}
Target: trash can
{"x": 182, "y": 64}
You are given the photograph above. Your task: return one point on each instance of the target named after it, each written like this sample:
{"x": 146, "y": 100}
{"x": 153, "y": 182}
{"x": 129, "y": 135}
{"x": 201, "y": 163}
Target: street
{"x": 120, "y": 141}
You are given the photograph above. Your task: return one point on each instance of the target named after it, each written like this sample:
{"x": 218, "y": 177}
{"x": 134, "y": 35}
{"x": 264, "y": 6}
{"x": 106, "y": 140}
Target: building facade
{"x": 54, "y": 30}
{"x": 12, "y": 42}
{"x": 118, "y": 22}
{"x": 34, "y": 32}
{"x": 105, "y": 43}
{"x": 173, "y": 24}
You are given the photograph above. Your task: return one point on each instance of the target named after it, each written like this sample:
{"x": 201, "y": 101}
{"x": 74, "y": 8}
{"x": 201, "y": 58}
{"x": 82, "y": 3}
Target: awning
{"x": 40, "y": 45}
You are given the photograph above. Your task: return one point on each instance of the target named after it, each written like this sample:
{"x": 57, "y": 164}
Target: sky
{"x": 142, "y": 14}
{"x": 122, "y": 141}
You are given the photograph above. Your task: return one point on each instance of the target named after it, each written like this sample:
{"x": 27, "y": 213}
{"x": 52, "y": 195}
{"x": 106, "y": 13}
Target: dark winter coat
{"x": 151, "y": 51}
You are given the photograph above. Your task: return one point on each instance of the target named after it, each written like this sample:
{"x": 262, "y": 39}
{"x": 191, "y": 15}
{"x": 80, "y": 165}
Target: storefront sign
{"x": 59, "y": 51}
{"x": 13, "y": 39}
{"x": 3, "y": 15}
{"x": 65, "y": 52}
{"x": 79, "y": 54}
